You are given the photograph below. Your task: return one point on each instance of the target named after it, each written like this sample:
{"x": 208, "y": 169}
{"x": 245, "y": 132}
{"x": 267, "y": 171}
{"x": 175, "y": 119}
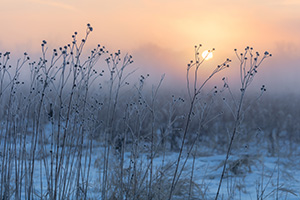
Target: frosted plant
{"x": 249, "y": 64}
{"x": 193, "y": 91}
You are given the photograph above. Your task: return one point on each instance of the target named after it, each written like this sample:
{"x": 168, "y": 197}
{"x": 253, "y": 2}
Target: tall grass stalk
{"x": 196, "y": 90}
{"x": 248, "y": 69}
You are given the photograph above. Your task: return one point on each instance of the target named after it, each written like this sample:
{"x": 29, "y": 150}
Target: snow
{"x": 249, "y": 173}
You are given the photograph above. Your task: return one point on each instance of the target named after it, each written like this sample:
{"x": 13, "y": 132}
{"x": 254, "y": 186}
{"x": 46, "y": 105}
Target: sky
{"x": 161, "y": 34}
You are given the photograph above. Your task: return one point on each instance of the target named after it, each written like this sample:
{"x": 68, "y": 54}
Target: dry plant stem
{"x": 112, "y": 62}
{"x": 153, "y": 118}
{"x": 153, "y": 151}
{"x": 82, "y": 132}
{"x": 59, "y": 161}
{"x": 135, "y": 149}
{"x": 192, "y": 174}
{"x": 278, "y": 172}
{"x": 202, "y": 123}
{"x": 94, "y": 58}
{"x": 264, "y": 188}
{"x": 246, "y": 75}
{"x": 10, "y": 130}
{"x": 181, "y": 148}
{"x": 36, "y": 134}
{"x": 4, "y": 134}
{"x": 193, "y": 98}
{"x": 122, "y": 157}
{"x": 262, "y": 181}
{"x": 88, "y": 170}
{"x": 108, "y": 132}
{"x": 63, "y": 81}
{"x": 236, "y": 125}
{"x": 57, "y": 164}
{"x": 29, "y": 106}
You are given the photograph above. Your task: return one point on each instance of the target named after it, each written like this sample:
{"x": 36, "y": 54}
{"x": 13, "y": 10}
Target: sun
{"x": 207, "y": 54}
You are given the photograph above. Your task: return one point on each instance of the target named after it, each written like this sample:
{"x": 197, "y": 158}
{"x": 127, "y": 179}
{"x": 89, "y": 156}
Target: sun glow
{"x": 207, "y": 55}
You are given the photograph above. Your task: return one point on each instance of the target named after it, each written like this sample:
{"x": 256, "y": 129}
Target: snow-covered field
{"x": 249, "y": 175}
{"x": 76, "y": 130}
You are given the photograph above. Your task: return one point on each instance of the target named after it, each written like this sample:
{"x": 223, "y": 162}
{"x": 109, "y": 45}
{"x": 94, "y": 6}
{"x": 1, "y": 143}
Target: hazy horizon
{"x": 161, "y": 35}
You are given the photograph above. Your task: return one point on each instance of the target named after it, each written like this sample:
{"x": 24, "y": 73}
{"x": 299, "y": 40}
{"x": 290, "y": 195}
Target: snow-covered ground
{"x": 250, "y": 174}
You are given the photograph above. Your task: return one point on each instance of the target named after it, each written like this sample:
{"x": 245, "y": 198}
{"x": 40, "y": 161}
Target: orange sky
{"x": 161, "y": 33}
